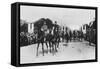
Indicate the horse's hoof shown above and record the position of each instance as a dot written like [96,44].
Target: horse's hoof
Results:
[56,50]
[50,51]
[47,52]
[43,54]
[53,54]
[37,55]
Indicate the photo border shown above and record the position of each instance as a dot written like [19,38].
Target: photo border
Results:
[57,6]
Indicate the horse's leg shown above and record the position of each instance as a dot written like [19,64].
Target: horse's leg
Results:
[58,44]
[43,48]
[50,46]
[47,46]
[55,46]
[53,50]
[90,40]
[37,49]
[80,38]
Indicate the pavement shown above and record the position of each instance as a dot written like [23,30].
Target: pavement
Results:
[71,51]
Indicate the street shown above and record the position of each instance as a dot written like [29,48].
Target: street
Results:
[74,50]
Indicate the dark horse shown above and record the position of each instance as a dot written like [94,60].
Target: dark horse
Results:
[41,40]
[53,41]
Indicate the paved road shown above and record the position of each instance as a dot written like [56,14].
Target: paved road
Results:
[74,50]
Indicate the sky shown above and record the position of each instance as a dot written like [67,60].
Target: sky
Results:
[70,17]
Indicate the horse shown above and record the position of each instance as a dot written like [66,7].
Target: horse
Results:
[45,38]
[66,36]
[70,35]
[53,41]
[80,35]
[40,39]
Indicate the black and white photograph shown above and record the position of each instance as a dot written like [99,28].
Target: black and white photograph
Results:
[52,34]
